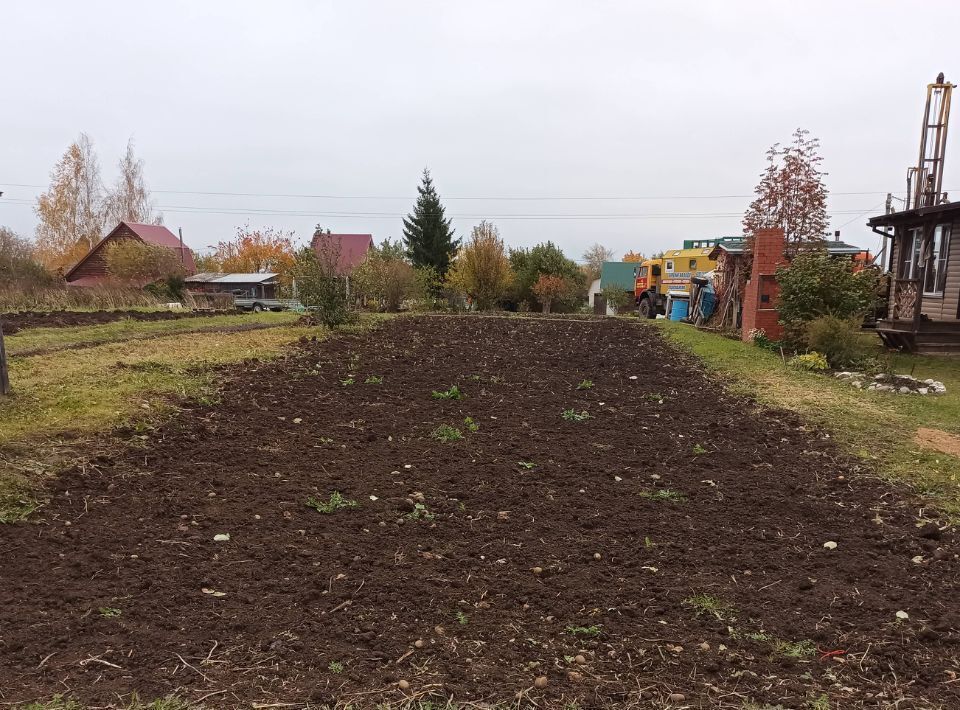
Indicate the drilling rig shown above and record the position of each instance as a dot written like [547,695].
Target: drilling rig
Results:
[925,181]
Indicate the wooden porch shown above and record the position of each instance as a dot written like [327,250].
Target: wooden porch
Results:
[929,337]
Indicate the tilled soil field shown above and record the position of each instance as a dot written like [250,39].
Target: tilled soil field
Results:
[678,548]
[15,322]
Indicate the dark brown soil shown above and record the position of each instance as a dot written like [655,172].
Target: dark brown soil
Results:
[14,322]
[674,541]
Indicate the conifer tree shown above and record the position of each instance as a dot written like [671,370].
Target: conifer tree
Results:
[427,233]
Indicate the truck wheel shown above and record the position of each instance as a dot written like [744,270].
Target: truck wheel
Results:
[646,309]
[257,308]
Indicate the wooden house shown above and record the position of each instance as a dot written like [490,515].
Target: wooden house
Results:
[91,270]
[924,305]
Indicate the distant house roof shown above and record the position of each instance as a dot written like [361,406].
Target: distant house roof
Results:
[618,273]
[155,234]
[834,247]
[214,277]
[350,248]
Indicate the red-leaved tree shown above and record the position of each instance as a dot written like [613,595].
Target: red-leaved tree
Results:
[791,194]
[550,288]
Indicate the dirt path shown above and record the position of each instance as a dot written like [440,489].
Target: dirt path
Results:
[667,551]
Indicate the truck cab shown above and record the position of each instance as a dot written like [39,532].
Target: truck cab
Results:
[672,272]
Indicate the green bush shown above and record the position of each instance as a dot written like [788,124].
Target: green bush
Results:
[837,338]
[812,362]
[817,284]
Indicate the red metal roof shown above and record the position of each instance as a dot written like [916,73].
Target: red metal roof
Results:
[352,248]
[149,233]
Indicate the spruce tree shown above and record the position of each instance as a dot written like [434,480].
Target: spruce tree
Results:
[427,233]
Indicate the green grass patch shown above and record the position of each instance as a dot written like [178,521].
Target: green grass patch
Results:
[447,433]
[336,502]
[664,494]
[586,631]
[47,339]
[877,427]
[452,393]
[572,415]
[705,604]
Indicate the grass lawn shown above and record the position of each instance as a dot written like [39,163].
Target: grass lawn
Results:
[34,339]
[875,426]
[68,395]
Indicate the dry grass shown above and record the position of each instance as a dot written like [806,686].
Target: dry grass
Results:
[35,339]
[30,296]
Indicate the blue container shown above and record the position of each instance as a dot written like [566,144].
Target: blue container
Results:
[680,308]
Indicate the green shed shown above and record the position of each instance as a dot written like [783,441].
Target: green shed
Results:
[618,273]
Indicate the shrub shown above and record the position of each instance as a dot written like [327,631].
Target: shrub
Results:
[837,338]
[758,336]
[320,289]
[812,362]
[618,298]
[815,285]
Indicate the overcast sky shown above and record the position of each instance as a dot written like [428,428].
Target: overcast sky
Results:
[328,111]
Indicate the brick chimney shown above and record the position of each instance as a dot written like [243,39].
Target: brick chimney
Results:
[762,290]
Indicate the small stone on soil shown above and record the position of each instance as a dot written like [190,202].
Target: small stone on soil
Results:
[541,682]
[404,685]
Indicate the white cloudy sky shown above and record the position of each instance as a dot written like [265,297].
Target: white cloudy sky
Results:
[328,111]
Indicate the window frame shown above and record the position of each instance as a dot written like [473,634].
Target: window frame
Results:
[936,262]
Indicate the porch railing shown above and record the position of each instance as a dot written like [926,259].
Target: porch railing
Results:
[905,295]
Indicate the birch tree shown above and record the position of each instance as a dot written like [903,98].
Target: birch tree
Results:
[71,211]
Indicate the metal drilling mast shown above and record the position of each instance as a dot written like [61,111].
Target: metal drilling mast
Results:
[925,181]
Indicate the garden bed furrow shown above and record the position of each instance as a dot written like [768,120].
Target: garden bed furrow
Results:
[668,548]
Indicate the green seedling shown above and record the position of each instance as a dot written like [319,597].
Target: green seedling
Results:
[572,415]
[452,393]
[526,464]
[335,667]
[373,380]
[420,512]
[821,702]
[462,618]
[664,494]
[447,433]
[336,502]
[585,385]
[325,440]
[109,612]
[647,542]
[587,631]
[347,382]
[471,425]
[706,604]
[794,649]
[655,397]
[697,449]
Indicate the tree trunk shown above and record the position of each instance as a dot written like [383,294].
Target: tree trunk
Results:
[546,306]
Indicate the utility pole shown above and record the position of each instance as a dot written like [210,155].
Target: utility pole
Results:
[4,374]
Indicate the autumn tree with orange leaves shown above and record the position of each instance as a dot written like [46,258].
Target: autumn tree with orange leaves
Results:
[255,251]
[550,288]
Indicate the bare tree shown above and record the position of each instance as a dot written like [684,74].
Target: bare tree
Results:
[129,200]
[71,211]
[791,194]
[593,259]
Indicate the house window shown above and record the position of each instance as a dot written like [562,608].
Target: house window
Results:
[670,266]
[936,275]
[693,265]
